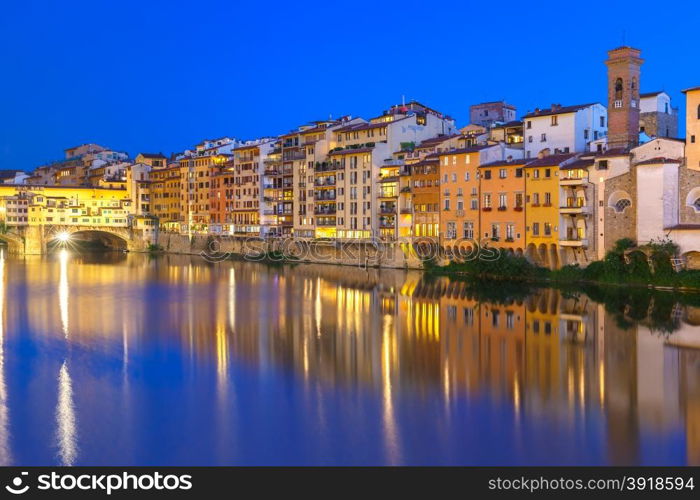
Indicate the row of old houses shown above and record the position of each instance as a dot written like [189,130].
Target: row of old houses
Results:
[560,185]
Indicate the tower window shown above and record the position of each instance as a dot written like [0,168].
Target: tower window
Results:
[618,89]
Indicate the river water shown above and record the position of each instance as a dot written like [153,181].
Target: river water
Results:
[120,359]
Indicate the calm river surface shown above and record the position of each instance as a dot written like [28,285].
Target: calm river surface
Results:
[115,359]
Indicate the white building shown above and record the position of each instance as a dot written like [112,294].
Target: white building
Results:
[564,129]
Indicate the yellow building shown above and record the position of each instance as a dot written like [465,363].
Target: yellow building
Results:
[459,195]
[77,206]
[165,196]
[542,208]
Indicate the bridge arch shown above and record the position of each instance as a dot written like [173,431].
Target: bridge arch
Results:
[14,242]
[113,239]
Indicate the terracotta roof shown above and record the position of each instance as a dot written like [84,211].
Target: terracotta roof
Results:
[249,146]
[471,149]
[426,161]
[154,156]
[519,162]
[560,110]
[650,94]
[367,126]
[614,152]
[436,140]
[550,161]
[691,89]
[350,151]
[514,123]
[578,164]
[684,226]
[315,130]
[657,160]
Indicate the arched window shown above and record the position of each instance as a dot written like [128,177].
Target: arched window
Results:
[692,200]
[619,201]
[618,89]
[620,205]
[634,84]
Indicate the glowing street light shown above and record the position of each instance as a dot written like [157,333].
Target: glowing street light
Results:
[63,237]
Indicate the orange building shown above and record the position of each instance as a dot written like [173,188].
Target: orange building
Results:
[503,194]
[459,194]
[221,197]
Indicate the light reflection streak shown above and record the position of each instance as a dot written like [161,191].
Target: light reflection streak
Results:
[66,432]
[63,290]
[389,418]
[5,452]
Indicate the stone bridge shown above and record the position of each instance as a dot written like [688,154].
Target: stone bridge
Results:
[34,240]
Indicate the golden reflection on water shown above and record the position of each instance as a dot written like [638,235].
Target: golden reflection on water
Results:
[548,354]
[5,452]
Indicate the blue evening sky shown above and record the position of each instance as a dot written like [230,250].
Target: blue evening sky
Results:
[162,75]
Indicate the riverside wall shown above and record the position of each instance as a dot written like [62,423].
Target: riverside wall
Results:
[216,248]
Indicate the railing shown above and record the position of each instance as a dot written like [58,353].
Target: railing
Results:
[322,211]
[321,183]
[328,167]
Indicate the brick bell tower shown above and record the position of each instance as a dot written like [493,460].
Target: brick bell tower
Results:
[624,66]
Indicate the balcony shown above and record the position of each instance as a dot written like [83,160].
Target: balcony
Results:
[572,181]
[392,162]
[575,207]
[328,167]
[324,211]
[576,242]
[502,208]
[406,210]
[406,189]
[324,182]
[294,155]
[387,209]
[324,197]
